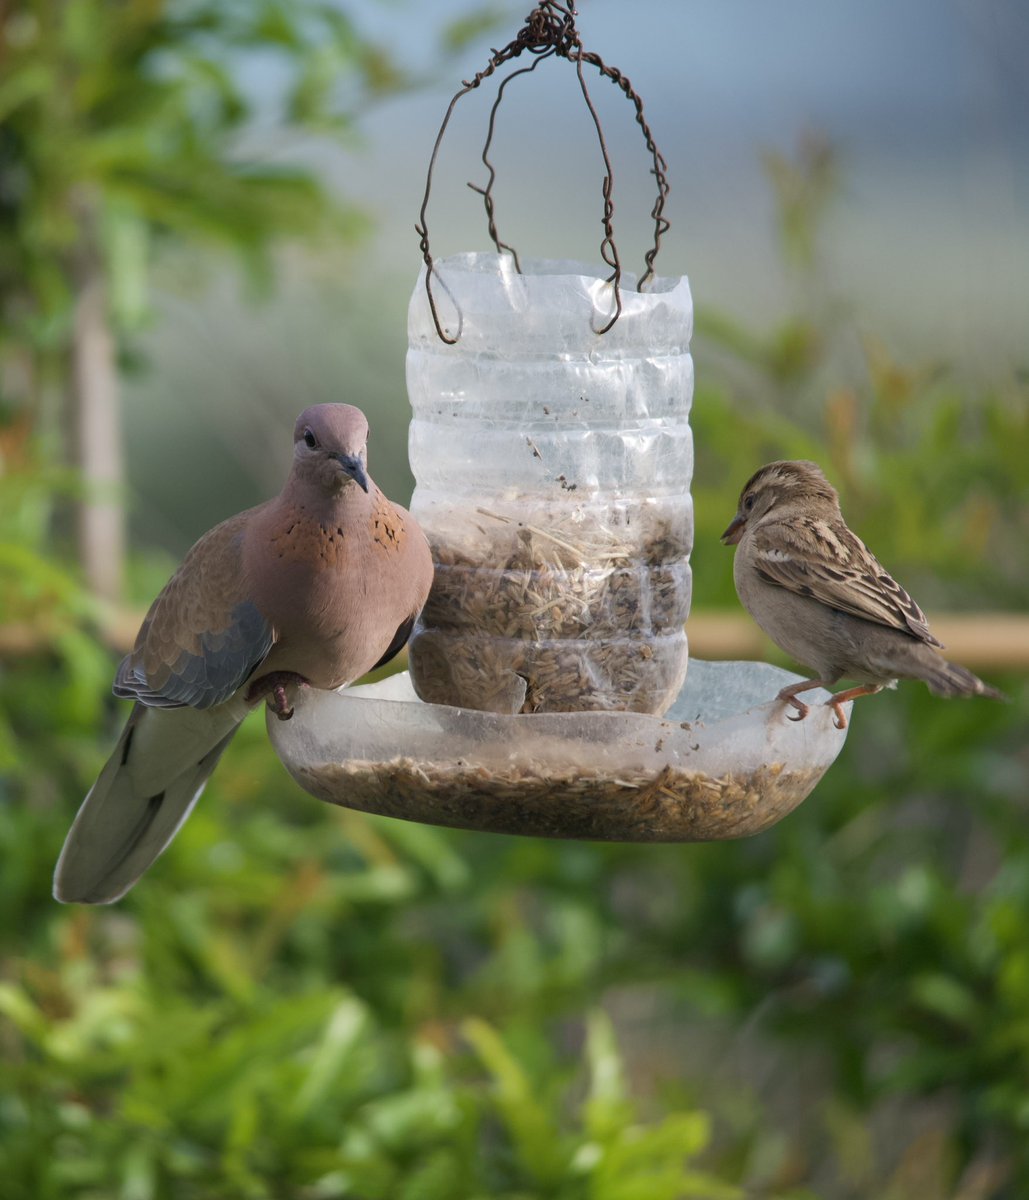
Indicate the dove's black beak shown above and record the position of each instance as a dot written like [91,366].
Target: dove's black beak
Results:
[735,531]
[353,467]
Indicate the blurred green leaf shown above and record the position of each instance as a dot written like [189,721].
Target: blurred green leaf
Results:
[471,26]
[305,1002]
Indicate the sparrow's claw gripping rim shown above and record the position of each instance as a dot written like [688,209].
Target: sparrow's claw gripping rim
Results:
[802,708]
[839,716]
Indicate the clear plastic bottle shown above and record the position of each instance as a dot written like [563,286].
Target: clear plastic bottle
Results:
[553,469]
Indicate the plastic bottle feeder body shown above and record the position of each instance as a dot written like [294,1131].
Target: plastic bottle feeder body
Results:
[553,467]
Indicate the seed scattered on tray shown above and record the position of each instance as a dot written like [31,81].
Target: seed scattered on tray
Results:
[666,805]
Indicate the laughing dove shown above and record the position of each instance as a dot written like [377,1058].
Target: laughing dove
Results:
[315,587]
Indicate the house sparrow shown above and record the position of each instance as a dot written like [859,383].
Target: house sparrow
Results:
[822,596]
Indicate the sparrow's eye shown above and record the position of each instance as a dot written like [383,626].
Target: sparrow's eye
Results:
[309,439]
[748,502]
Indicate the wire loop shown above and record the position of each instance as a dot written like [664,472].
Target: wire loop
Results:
[549,31]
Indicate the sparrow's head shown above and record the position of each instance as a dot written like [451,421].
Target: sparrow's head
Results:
[330,446]
[779,486]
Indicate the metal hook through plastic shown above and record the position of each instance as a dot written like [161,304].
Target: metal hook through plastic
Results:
[549,30]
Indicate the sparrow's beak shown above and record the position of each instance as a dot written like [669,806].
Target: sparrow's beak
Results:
[735,531]
[353,467]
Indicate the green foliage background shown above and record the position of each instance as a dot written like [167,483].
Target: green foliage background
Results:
[303,1002]
[300,1001]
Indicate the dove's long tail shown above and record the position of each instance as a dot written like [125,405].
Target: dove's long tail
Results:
[143,795]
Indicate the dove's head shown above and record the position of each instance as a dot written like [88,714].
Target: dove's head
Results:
[330,446]
[781,486]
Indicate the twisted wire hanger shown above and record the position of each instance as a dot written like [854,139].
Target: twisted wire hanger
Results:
[549,31]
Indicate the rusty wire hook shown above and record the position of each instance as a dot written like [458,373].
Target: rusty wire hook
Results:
[549,31]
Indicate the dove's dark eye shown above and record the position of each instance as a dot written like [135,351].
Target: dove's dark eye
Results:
[309,439]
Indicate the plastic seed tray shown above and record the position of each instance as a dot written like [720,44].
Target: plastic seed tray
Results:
[725,761]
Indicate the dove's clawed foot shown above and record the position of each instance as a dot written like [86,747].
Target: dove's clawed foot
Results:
[273,686]
[280,704]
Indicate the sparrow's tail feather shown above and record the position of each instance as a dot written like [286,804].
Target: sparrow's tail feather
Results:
[948,679]
[145,792]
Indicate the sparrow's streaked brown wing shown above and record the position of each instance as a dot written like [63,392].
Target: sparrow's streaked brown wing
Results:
[824,560]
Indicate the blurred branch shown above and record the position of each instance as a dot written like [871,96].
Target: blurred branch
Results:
[96,407]
[982,641]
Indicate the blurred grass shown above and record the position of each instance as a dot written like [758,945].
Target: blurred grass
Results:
[306,1002]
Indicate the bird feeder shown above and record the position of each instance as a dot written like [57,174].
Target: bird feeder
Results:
[550,691]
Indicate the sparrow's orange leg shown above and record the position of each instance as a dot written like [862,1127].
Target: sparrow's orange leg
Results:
[789,695]
[840,718]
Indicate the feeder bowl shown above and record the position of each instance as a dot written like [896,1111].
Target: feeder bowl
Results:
[725,761]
